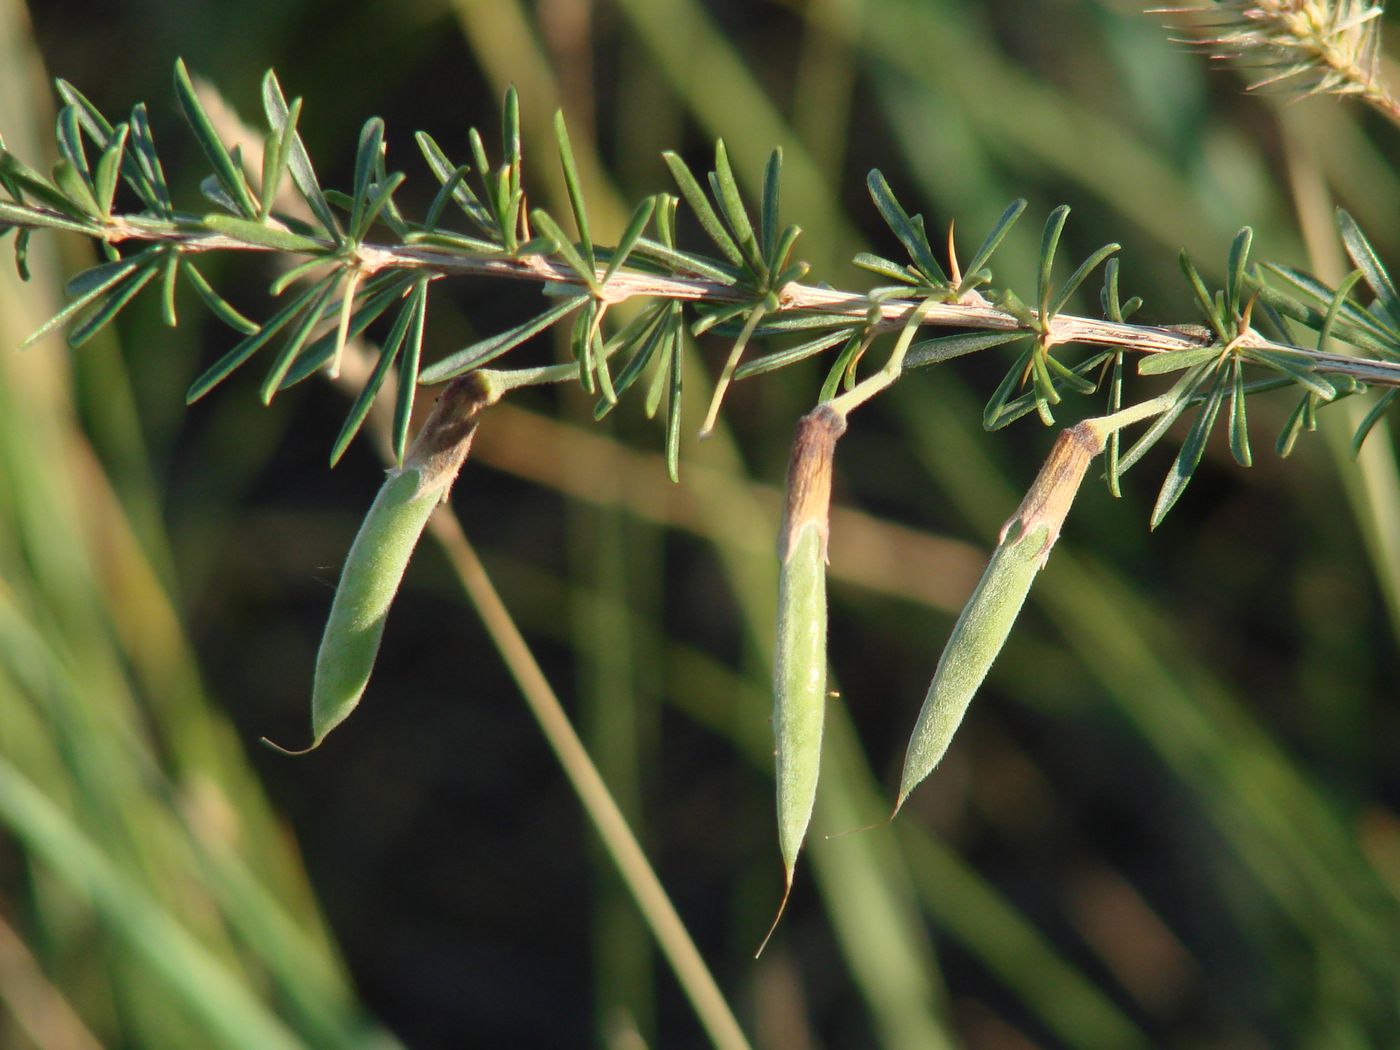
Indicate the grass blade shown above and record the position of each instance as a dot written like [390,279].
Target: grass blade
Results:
[1298,371]
[17,173]
[170,953]
[108,172]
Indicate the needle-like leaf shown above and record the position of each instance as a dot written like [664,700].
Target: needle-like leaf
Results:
[479,353]
[229,174]
[1189,458]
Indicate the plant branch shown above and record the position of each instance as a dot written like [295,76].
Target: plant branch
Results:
[627,282]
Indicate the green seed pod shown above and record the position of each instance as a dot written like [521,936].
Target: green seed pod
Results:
[799,674]
[977,638]
[368,583]
[378,557]
[799,683]
[986,620]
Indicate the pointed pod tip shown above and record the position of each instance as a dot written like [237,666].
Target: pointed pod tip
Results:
[782,907]
[293,752]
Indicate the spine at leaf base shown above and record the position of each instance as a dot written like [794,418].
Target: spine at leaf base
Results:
[378,557]
[986,620]
[799,673]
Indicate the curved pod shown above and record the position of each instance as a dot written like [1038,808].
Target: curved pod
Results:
[373,571]
[379,556]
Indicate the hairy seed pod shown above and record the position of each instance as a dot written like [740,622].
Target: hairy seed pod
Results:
[378,557]
[986,620]
[799,675]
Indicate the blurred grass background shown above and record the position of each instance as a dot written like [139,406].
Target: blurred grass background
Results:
[1169,819]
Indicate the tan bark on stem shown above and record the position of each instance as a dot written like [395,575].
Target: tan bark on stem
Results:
[444,440]
[1052,494]
[809,476]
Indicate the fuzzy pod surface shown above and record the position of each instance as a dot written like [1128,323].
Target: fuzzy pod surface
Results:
[977,638]
[375,566]
[373,570]
[987,618]
[799,672]
[799,687]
